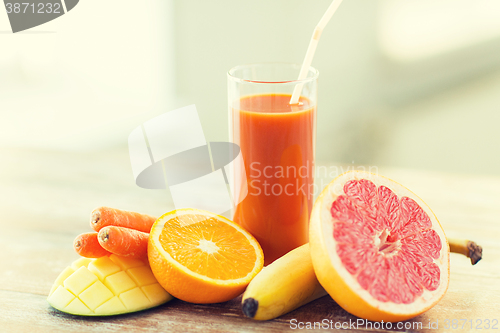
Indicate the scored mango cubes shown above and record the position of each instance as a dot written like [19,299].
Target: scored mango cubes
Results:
[106,286]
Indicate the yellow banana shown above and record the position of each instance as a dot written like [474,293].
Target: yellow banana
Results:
[286,284]
[290,282]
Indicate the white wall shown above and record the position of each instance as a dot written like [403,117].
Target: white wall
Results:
[84,80]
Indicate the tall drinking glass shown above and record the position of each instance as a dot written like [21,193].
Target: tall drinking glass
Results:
[277,142]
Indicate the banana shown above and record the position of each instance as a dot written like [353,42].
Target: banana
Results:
[466,247]
[286,284]
[290,282]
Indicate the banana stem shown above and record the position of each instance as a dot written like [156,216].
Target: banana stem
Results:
[466,247]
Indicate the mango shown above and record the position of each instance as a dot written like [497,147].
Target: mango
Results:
[106,286]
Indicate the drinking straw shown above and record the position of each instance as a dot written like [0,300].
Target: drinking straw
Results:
[312,48]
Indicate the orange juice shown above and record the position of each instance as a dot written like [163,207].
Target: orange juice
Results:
[277,145]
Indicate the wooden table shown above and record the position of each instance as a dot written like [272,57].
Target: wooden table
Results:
[46,199]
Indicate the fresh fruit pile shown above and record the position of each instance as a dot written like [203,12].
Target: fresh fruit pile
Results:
[197,256]
[375,247]
[114,276]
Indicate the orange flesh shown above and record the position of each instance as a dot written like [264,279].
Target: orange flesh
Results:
[208,247]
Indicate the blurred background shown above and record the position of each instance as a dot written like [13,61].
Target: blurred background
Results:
[403,83]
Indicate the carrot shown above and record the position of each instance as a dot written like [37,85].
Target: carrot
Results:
[88,246]
[104,216]
[124,242]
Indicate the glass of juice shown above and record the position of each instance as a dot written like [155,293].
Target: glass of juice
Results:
[277,142]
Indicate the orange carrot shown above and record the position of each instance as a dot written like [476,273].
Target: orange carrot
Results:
[104,216]
[88,246]
[124,242]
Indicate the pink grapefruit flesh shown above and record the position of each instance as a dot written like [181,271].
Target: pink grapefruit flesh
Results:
[382,244]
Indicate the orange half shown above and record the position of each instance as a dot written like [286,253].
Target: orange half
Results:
[201,257]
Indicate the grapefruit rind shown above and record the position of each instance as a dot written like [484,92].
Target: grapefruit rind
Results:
[342,285]
[186,284]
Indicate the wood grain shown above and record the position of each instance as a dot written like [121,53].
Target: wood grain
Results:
[46,199]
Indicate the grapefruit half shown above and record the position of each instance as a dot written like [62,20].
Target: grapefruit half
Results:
[377,248]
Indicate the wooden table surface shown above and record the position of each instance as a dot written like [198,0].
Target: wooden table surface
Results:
[46,198]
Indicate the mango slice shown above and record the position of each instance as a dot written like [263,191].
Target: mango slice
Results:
[106,286]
